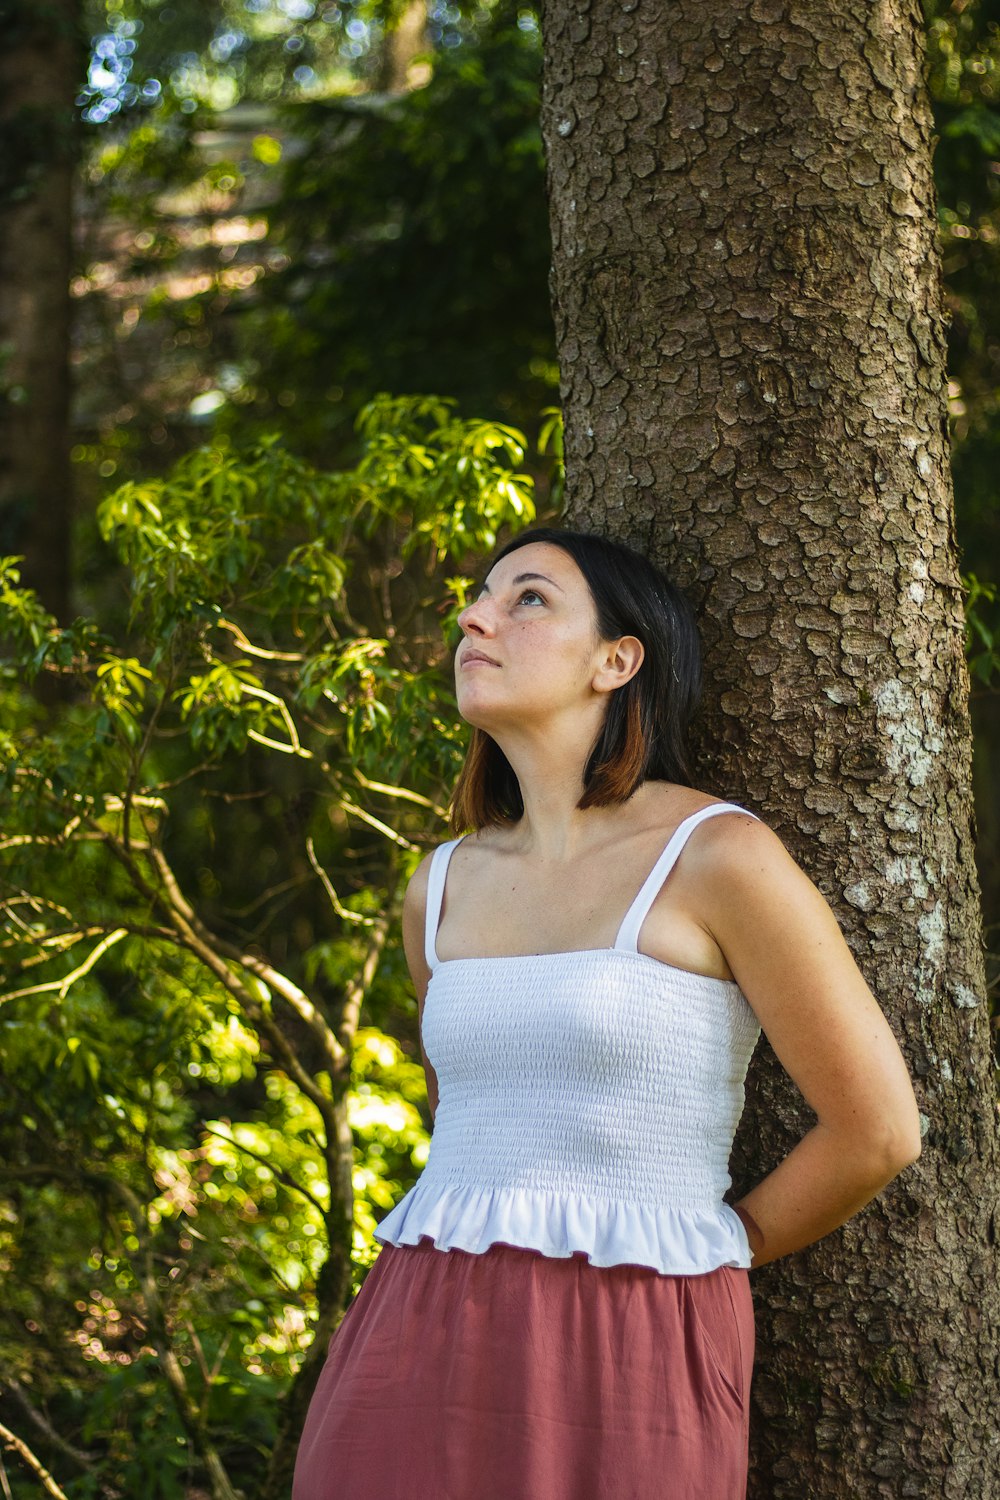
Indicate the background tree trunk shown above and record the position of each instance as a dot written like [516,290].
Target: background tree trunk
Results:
[41,69]
[749,318]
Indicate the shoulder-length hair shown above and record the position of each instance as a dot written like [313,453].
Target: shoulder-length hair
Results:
[645,732]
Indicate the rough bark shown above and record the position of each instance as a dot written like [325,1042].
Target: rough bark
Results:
[748,309]
[40,72]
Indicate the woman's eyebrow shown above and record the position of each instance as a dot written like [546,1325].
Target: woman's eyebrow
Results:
[528,578]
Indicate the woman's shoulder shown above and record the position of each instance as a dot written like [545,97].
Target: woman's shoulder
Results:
[738,839]
[667,806]
[417,884]
[416,887]
[738,846]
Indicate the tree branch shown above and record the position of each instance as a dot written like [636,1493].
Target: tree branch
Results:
[343,912]
[279,1172]
[41,1473]
[399,791]
[210,943]
[252,650]
[380,827]
[83,1460]
[65,984]
[213,953]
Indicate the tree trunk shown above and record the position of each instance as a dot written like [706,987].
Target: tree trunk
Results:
[40,74]
[748,310]
[401,46]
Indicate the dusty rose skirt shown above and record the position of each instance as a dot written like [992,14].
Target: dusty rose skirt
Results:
[515,1376]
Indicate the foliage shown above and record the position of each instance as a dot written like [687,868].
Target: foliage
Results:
[213,54]
[982,630]
[280,261]
[964,78]
[212,1087]
[420,218]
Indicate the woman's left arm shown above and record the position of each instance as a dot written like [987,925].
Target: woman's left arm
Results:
[791,961]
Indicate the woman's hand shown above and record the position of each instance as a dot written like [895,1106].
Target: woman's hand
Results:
[791,961]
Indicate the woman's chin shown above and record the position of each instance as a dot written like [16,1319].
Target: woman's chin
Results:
[474,716]
[480,715]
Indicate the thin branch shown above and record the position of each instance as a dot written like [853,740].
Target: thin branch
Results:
[168,786]
[357,989]
[259,967]
[209,1375]
[345,914]
[230,797]
[60,942]
[131,790]
[63,985]
[134,929]
[83,1460]
[399,791]
[34,1463]
[49,840]
[279,1172]
[325,731]
[295,748]
[114,803]
[252,650]
[217,956]
[213,952]
[35,903]
[366,817]
[238,912]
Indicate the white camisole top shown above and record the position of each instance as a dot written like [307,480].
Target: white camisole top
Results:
[587,1100]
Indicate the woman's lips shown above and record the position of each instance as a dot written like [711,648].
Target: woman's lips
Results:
[477,659]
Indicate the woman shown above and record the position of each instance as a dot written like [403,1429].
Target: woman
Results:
[561,1310]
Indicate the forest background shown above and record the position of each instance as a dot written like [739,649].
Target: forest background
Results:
[313,379]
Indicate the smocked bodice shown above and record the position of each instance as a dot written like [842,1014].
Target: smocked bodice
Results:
[587,1100]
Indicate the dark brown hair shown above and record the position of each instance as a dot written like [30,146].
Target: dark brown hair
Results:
[646,726]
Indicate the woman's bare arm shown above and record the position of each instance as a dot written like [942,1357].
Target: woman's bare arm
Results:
[414,910]
[791,961]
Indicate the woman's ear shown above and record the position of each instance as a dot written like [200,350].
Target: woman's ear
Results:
[619,664]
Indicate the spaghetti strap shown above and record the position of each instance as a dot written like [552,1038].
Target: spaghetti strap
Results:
[628,932]
[435,896]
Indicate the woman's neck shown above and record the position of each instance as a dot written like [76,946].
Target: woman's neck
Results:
[553,828]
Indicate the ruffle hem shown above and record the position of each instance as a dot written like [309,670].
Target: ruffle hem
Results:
[677,1241]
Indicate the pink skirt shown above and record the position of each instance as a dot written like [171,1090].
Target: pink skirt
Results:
[516,1376]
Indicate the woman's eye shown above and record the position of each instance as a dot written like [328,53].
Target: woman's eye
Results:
[531,594]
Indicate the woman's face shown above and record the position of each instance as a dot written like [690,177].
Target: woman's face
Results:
[531,647]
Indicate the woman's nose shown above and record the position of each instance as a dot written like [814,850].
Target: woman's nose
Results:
[475,618]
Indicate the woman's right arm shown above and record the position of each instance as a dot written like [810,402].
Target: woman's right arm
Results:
[414,913]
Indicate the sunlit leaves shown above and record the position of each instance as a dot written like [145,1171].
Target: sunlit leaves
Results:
[244,778]
[982,630]
[458,478]
[23,616]
[388,1127]
[227,705]
[121,687]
